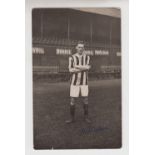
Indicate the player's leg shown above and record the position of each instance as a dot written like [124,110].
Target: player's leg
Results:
[72,110]
[85,106]
[84,94]
[74,93]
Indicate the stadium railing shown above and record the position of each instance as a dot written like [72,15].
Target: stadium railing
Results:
[55,74]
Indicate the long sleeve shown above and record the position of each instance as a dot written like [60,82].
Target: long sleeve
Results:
[70,66]
[88,60]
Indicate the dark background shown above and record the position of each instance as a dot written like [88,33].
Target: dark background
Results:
[63,28]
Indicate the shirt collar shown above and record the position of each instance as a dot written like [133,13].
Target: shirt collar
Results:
[79,54]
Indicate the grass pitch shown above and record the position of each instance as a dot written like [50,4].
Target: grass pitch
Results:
[51,109]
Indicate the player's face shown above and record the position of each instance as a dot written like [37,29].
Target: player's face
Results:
[80,48]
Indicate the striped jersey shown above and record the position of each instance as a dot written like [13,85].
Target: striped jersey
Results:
[79,78]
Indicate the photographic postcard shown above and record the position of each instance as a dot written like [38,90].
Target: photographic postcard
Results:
[76,78]
[64,41]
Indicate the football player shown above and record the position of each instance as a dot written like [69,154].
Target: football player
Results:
[79,65]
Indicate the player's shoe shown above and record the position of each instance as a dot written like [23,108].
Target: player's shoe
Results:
[70,121]
[87,120]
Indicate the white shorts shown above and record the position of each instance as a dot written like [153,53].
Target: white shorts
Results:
[75,91]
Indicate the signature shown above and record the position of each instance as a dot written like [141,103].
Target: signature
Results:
[91,130]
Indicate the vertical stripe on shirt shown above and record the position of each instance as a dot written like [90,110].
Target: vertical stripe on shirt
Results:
[71,63]
[77,60]
[81,82]
[82,60]
[84,78]
[74,60]
[88,60]
[78,78]
[74,82]
[84,57]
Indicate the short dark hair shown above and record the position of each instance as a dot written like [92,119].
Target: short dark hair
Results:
[80,42]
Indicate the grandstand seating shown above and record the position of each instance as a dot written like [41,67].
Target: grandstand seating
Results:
[67,42]
[51,31]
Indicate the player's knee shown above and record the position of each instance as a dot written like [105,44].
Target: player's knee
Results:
[85,100]
[72,102]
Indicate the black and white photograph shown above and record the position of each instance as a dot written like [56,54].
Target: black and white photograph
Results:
[77,72]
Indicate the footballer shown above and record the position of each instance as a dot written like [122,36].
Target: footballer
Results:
[79,65]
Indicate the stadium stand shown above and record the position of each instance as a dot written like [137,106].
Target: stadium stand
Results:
[56,32]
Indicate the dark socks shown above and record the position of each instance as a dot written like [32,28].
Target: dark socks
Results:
[86,109]
[72,111]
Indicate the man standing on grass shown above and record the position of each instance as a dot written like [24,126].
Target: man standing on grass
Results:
[78,67]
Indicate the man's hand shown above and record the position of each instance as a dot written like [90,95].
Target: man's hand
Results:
[74,70]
